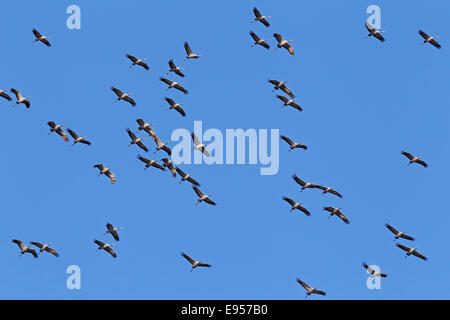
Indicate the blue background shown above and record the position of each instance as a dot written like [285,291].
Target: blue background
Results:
[364,101]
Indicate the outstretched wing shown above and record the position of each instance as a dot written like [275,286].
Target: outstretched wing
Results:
[37,244]
[73,133]
[287,91]
[198,192]
[278,37]
[187,48]
[36,33]
[132,58]
[257,13]
[424,35]
[195,139]
[131,134]
[392,229]
[181,172]
[99,167]
[423,163]
[283,98]
[304,284]
[304,210]
[254,36]
[274,82]
[52,251]
[419,255]
[167,81]
[182,89]
[117,91]
[404,248]
[298,180]
[192,261]
[289,200]
[4,95]
[408,155]
[289,141]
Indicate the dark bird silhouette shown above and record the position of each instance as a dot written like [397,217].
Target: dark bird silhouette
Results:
[310,290]
[375,33]
[41,38]
[413,159]
[429,39]
[259,17]
[135,140]
[195,263]
[293,144]
[24,249]
[45,247]
[284,43]
[305,185]
[202,197]
[57,128]
[411,251]
[372,272]
[151,163]
[175,106]
[123,96]
[259,41]
[106,247]
[398,234]
[282,86]
[295,205]
[139,62]
[190,53]
[173,84]
[77,138]
[107,172]
[175,69]
[113,231]
[337,212]
[20,98]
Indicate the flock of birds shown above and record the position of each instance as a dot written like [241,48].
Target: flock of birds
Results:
[166,163]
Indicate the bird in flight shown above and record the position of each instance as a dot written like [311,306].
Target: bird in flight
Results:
[41,38]
[413,159]
[282,86]
[106,247]
[113,231]
[77,138]
[259,17]
[295,205]
[374,32]
[45,247]
[20,98]
[202,197]
[284,43]
[310,290]
[107,172]
[259,41]
[175,69]
[139,62]
[195,263]
[429,39]
[399,234]
[337,212]
[372,272]
[293,144]
[411,251]
[58,129]
[190,53]
[24,249]
[123,96]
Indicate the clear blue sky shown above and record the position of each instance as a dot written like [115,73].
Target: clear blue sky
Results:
[364,101]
